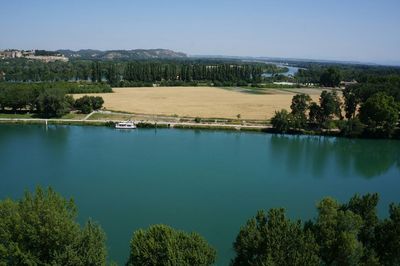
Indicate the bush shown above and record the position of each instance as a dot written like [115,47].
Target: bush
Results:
[163,245]
[87,104]
[272,239]
[380,113]
[281,121]
[351,128]
[41,229]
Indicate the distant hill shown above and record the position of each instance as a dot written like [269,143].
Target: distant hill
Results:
[123,54]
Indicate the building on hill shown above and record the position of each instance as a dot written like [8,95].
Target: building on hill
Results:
[31,54]
[10,54]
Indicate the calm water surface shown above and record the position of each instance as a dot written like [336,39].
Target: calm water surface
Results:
[205,181]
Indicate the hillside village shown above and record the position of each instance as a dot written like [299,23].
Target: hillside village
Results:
[33,54]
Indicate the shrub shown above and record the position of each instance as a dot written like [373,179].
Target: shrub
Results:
[163,245]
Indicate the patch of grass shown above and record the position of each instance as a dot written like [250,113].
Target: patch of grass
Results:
[73,116]
[103,116]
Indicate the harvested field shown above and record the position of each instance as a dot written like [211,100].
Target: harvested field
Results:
[204,102]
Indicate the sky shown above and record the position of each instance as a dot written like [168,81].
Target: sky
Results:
[348,30]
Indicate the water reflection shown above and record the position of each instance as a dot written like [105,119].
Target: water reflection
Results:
[367,158]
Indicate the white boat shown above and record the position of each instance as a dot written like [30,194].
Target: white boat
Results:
[125,125]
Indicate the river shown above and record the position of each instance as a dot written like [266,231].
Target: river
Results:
[291,70]
[210,182]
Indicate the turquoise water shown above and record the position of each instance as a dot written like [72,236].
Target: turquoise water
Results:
[291,71]
[205,181]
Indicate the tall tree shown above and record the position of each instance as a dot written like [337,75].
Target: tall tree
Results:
[337,232]
[272,239]
[315,113]
[388,237]
[40,229]
[112,75]
[299,106]
[281,121]
[366,207]
[52,103]
[351,102]
[163,245]
[330,105]
[330,77]
[380,113]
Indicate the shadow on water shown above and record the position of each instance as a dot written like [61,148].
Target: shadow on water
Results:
[367,158]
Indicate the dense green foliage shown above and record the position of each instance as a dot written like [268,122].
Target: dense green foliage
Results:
[282,121]
[273,239]
[46,99]
[51,103]
[330,77]
[320,114]
[139,73]
[313,72]
[41,229]
[341,234]
[387,234]
[163,245]
[66,87]
[330,106]
[374,116]
[299,106]
[87,104]
[380,113]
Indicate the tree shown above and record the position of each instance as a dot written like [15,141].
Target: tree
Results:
[40,229]
[281,121]
[84,104]
[112,75]
[70,101]
[52,103]
[91,245]
[380,113]
[315,113]
[352,127]
[388,237]
[87,104]
[97,102]
[163,245]
[330,105]
[96,72]
[273,239]
[366,207]
[336,232]
[351,101]
[299,106]
[2,99]
[330,77]
[16,98]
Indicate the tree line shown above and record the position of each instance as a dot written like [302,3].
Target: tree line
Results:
[41,229]
[48,100]
[126,73]
[328,74]
[370,109]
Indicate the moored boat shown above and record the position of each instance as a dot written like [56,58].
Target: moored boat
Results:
[125,125]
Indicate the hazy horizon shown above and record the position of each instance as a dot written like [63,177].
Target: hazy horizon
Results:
[358,31]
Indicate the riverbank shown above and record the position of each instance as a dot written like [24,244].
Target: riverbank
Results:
[139,123]
[109,119]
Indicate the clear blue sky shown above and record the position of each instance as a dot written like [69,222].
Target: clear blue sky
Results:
[362,30]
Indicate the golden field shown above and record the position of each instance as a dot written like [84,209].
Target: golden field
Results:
[204,102]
